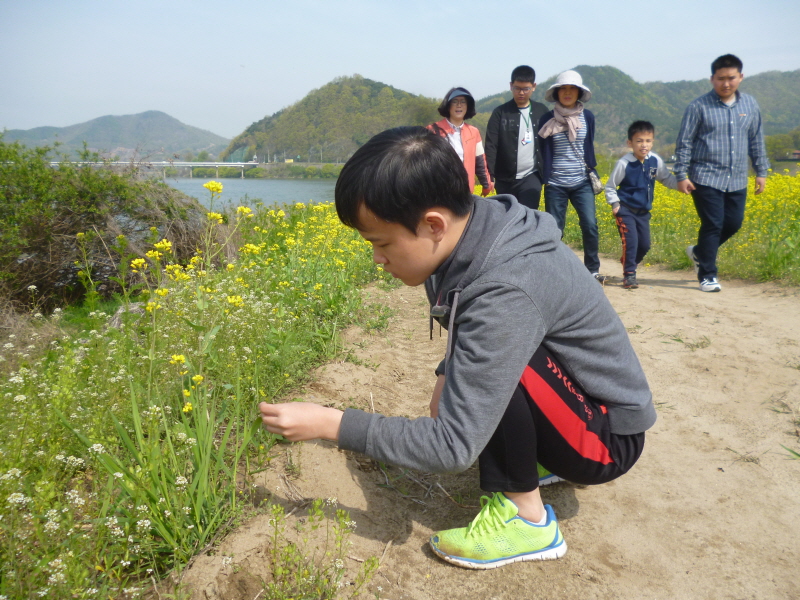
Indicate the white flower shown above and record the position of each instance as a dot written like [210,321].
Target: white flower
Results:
[19,398]
[97,449]
[32,288]
[19,499]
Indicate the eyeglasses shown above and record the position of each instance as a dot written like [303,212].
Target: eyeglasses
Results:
[520,90]
[459,102]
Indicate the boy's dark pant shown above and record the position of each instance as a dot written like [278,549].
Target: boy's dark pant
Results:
[527,191]
[634,231]
[721,215]
[551,421]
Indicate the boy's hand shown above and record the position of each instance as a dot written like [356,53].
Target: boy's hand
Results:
[437,393]
[297,421]
[685,186]
[761,184]
[615,208]
[485,191]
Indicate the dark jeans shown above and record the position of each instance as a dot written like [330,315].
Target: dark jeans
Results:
[550,420]
[527,190]
[634,231]
[556,199]
[721,215]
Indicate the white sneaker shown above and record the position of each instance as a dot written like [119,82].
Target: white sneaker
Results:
[710,285]
[693,258]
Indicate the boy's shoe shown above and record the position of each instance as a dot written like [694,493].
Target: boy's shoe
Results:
[498,536]
[710,285]
[546,477]
[600,278]
[629,281]
[693,258]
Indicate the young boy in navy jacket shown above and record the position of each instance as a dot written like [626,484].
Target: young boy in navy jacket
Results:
[630,190]
[539,369]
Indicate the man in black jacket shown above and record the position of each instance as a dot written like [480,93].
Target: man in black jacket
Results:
[512,146]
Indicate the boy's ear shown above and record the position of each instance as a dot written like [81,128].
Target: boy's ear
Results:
[630,144]
[435,224]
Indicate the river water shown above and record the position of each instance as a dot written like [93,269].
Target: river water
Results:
[247,191]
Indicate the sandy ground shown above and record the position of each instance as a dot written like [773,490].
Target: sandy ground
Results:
[711,510]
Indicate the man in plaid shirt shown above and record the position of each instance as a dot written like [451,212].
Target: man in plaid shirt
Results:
[719,131]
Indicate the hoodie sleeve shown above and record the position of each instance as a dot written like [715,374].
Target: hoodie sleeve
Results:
[664,175]
[484,370]
[616,177]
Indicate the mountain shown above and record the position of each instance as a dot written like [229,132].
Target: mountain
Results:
[330,123]
[618,100]
[152,135]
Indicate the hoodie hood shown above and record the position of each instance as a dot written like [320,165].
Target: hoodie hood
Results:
[499,229]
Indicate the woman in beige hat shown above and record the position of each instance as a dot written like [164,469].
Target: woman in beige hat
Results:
[567,134]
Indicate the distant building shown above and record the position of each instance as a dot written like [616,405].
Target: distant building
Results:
[795,154]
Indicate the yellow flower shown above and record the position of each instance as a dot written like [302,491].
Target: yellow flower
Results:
[198,378]
[164,245]
[151,306]
[153,254]
[237,301]
[187,408]
[244,210]
[80,236]
[187,393]
[212,216]
[230,267]
[177,359]
[162,292]
[215,187]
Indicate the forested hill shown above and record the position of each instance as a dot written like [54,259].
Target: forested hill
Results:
[330,123]
[152,135]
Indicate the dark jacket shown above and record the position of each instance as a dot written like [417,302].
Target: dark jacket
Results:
[510,285]
[502,139]
[546,145]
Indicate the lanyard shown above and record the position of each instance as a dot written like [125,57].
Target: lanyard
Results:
[528,120]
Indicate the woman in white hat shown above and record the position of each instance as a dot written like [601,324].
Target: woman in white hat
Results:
[457,106]
[568,156]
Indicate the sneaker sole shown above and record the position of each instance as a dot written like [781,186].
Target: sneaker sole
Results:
[550,480]
[546,554]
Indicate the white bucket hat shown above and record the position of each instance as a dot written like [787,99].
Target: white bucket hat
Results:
[568,78]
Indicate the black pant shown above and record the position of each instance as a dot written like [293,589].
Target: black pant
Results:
[528,190]
[634,231]
[551,421]
[721,215]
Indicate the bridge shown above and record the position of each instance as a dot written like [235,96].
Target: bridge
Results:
[166,164]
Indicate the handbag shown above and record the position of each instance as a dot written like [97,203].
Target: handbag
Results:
[594,179]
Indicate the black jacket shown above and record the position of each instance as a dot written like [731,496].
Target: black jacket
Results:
[502,139]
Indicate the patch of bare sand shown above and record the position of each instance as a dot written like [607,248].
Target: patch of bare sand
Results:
[710,511]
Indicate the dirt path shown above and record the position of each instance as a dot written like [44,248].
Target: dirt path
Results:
[712,509]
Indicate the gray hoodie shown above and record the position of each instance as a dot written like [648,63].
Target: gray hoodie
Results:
[509,285]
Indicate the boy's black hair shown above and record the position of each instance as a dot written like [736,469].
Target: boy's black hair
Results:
[640,127]
[444,107]
[726,61]
[523,73]
[398,175]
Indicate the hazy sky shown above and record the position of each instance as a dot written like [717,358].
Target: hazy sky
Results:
[221,65]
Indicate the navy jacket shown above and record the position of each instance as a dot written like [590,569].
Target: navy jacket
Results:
[546,145]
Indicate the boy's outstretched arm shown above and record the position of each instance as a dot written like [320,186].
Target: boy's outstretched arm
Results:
[298,421]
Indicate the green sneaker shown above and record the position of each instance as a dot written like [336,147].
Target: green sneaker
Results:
[498,536]
[546,477]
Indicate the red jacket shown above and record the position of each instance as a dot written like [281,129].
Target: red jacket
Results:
[474,157]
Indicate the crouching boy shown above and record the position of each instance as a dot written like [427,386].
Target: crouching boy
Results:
[629,191]
[539,369]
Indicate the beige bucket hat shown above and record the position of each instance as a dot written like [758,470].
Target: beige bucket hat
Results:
[568,78]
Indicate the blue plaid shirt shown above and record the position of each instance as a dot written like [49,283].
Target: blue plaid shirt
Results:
[715,140]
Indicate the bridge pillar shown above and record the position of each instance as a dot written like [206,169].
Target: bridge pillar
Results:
[242,171]
[216,172]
